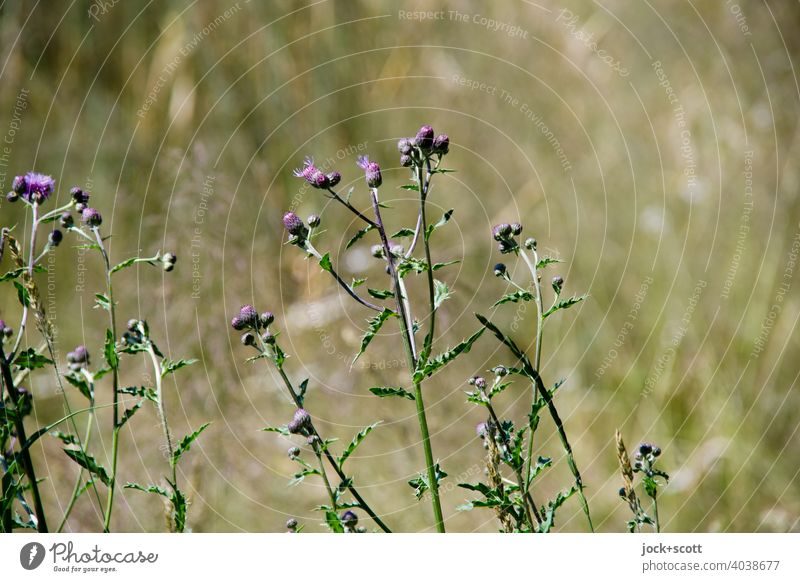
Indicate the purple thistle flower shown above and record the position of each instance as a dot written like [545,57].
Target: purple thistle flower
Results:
[372,172]
[79,355]
[34,187]
[312,175]
[248,315]
[237,323]
[293,224]
[404,146]
[501,231]
[349,519]
[406,161]
[300,423]
[441,145]
[92,217]
[424,138]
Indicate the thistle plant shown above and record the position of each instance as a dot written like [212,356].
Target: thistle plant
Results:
[644,463]
[511,440]
[19,475]
[264,340]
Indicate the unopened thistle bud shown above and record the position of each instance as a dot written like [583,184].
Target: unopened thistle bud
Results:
[500,371]
[248,316]
[55,238]
[291,524]
[424,138]
[314,221]
[441,145]
[168,261]
[516,229]
[268,338]
[248,339]
[372,172]
[294,226]
[300,423]
[266,318]
[79,196]
[500,270]
[66,220]
[333,179]
[406,161]
[293,452]
[530,244]
[349,519]
[12,196]
[501,231]
[405,147]
[91,217]
[558,283]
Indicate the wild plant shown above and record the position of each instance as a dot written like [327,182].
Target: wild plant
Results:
[19,475]
[423,156]
[644,464]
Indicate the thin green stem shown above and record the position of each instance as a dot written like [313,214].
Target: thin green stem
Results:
[162,413]
[328,456]
[324,476]
[76,490]
[655,512]
[412,363]
[313,251]
[112,314]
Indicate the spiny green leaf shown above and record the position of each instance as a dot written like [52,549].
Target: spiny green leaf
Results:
[564,304]
[375,324]
[550,512]
[66,438]
[80,382]
[437,266]
[186,444]
[22,294]
[412,187]
[441,222]
[30,360]
[123,265]
[110,352]
[102,301]
[385,391]
[12,274]
[325,263]
[380,293]
[301,395]
[140,391]
[441,293]
[404,232]
[279,429]
[515,297]
[333,522]
[357,440]
[170,366]
[129,412]
[543,262]
[358,236]
[445,358]
[149,489]
[357,282]
[89,463]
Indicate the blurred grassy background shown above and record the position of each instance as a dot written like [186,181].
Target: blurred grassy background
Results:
[185,119]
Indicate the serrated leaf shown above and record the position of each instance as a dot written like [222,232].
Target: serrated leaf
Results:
[110,352]
[437,266]
[550,512]
[12,274]
[357,282]
[441,222]
[140,391]
[358,236]
[301,395]
[279,429]
[325,262]
[301,475]
[404,232]
[129,412]
[412,187]
[89,463]
[441,293]
[123,265]
[445,358]
[541,464]
[80,382]
[380,293]
[334,522]
[30,360]
[22,294]
[149,489]
[543,262]
[186,444]
[102,301]
[564,304]
[386,391]
[170,366]
[357,440]
[375,324]
[66,438]
[420,482]
[515,297]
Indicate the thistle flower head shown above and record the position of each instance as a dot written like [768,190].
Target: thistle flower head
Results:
[6,330]
[293,452]
[168,261]
[34,187]
[92,217]
[291,524]
[66,220]
[312,175]
[501,231]
[293,224]
[499,270]
[558,283]
[333,179]
[248,339]
[372,172]
[406,161]
[266,318]
[79,196]
[404,146]
[349,519]
[441,145]
[248,315]
[516,229]
[300,423]
[55,238]
[79,356]
[424,138]
[314,220]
